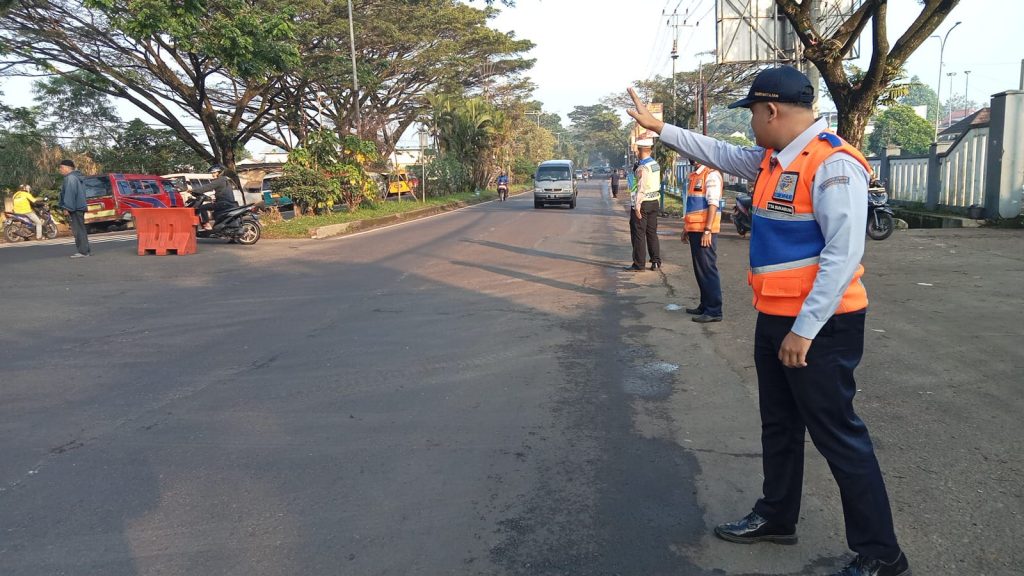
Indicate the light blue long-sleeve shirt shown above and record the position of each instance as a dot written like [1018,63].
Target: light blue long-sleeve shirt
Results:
[840,196]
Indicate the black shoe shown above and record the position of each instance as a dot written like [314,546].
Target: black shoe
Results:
[753,528]
[655,265]
[634,268]
[695,311]
[864,566]
[704,318]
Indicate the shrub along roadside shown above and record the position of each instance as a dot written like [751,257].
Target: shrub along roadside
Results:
[303,227]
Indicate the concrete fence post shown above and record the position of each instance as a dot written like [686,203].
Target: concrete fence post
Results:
[1004,170]
[931,199]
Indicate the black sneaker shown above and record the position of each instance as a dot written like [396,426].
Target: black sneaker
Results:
[753,528]
[698,311]
[864,566]
[634,268]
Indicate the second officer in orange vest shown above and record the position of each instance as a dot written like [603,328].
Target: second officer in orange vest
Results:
[701,225]
[807,239]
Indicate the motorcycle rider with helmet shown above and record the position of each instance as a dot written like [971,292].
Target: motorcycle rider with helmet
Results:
[224,195]
[502,186]
[23,201]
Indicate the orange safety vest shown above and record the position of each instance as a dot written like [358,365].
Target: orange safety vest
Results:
[696,216]
[785,240]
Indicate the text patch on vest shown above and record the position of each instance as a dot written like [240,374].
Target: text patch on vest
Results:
[784,208]
[785,190]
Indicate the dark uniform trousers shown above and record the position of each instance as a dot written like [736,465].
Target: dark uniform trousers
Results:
[819,398]
[643,233]
[705,268]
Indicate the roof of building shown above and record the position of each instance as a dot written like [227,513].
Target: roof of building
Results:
[977,119]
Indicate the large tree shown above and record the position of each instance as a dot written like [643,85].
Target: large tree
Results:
[900,126]
[84,116]
[597,132]
[404,51]
[920,94]
[215,63]
[856,96]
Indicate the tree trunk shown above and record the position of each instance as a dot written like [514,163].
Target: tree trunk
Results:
[854,111]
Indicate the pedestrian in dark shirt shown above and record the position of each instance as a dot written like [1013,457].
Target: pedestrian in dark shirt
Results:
[72,201]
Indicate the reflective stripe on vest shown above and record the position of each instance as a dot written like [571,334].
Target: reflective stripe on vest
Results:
[651,181]
[696,216]
[785,239]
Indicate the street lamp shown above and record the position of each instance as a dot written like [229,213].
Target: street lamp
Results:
[949,101]
[942,48]
[967,78]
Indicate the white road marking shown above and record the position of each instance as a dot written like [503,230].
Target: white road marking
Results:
[67,241]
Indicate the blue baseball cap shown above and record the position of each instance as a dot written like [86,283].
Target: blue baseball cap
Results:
[781,84]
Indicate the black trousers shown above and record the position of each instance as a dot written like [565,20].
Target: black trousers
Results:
[77,220]
[819,399]
[643,233]
[705,269]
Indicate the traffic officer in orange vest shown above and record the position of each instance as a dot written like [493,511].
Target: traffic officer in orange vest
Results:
[701,225]
[807,239]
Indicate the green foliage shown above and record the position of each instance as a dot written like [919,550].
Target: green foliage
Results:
[920,94]
[328,170]
[597,131]
[468,130]
[141,149]
[449,175]
[901,126]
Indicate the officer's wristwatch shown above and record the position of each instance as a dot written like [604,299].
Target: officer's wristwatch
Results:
[707,231]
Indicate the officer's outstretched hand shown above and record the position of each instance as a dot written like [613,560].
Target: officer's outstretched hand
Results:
[793,352]
[642,115]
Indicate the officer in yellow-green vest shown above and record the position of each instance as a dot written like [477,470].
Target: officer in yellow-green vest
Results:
[807,239]
[701,225]
[644,193]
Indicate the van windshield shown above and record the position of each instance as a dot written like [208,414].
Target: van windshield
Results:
[96,186]
[553,173]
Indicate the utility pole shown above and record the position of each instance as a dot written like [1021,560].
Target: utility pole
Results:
[673,22]
[355,74]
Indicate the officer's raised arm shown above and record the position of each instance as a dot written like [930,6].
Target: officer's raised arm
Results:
[738,160]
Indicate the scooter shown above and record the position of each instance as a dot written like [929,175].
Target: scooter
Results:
[241,224]
[502,192]
[18,227]
[741,214]
[881,219]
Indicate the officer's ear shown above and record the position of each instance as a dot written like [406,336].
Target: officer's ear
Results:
[773,111]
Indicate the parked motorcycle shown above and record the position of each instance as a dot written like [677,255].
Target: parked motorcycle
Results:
[741,214]
[18,227]
[881,219]
[241,224]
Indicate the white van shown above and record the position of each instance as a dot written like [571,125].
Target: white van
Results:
[554,183]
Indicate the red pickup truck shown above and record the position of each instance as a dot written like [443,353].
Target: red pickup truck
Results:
[111,197]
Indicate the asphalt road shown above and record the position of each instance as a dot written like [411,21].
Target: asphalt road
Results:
[481,392]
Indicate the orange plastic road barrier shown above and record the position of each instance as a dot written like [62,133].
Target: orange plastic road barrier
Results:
[163,231]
